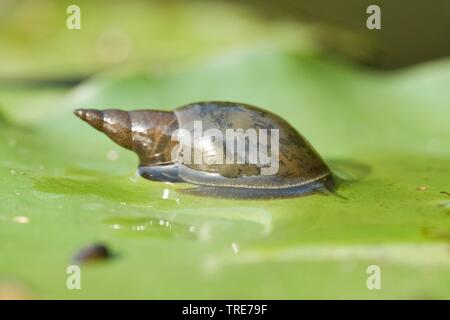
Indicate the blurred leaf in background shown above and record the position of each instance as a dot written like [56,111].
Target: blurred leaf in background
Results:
[156,34]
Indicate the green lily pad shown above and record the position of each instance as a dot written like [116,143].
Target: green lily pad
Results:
[64,186]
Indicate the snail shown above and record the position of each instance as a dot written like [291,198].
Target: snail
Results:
[227,149]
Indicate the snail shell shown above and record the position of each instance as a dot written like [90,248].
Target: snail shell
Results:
[150,134]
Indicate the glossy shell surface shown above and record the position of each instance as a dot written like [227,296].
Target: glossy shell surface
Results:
[298,164]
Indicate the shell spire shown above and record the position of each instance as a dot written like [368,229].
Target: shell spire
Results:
[114,123]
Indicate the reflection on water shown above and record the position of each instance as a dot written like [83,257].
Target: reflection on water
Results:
[21,219]
[420,254]
[156,210]
[207,225]
[150,227]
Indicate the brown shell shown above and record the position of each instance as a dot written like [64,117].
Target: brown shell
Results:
[299,163]
[149,134]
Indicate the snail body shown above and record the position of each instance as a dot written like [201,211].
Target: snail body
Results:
[227,149]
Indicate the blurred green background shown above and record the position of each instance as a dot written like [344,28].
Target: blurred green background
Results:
[374,103]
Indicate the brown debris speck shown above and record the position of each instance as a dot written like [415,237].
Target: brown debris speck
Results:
[94,252]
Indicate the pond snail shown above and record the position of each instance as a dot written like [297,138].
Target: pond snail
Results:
[230,150]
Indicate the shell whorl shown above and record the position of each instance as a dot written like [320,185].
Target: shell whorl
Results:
[116,124]
[146,132]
